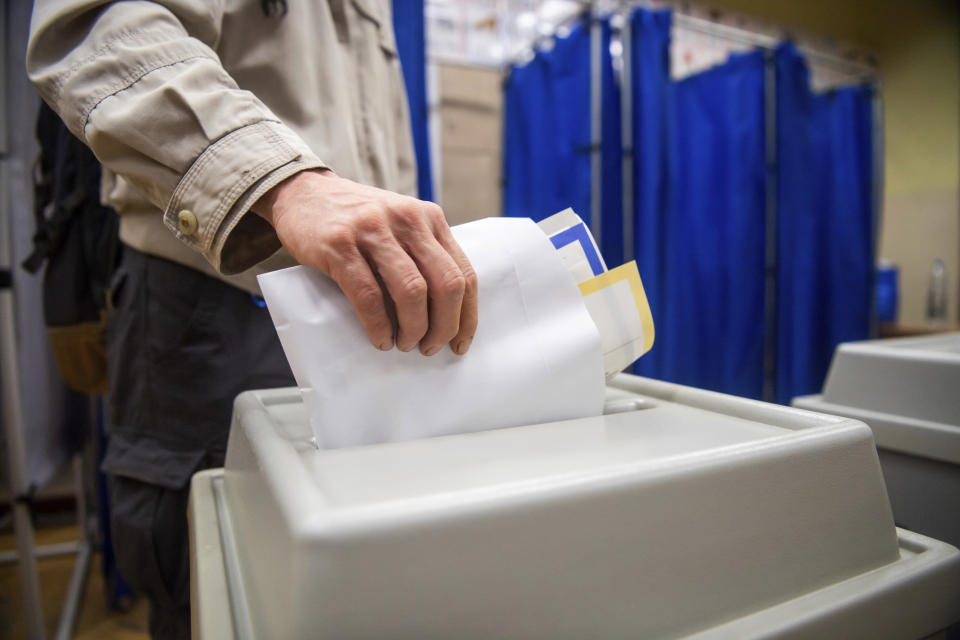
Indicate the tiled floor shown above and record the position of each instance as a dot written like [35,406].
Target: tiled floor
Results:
[96,619]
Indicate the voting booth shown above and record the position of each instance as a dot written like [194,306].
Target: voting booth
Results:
[908,391]
[678,512]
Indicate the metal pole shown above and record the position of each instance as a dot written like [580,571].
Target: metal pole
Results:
[43,551]
[736,34]
[770,260]
[876,210]
[596,125]
[626,130]
[81,568]
[74,596]
[10,378]
[16,448]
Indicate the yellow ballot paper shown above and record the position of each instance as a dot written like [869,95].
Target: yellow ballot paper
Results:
[618,305]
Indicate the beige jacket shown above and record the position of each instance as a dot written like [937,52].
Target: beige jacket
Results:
[196,108]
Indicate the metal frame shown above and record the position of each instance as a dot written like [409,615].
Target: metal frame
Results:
[16,448]
[27,551]
[626,128]
[596,125]
[770,237]
[10,387]
[878,187]
[764,41]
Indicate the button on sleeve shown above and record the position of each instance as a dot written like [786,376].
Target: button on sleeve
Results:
[187,222]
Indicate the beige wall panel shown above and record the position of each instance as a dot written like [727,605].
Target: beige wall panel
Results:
[471,186]
[468,129]
[481,88]
[470,142]
[918,228]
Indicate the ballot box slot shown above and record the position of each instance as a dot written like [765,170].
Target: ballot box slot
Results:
[627,406]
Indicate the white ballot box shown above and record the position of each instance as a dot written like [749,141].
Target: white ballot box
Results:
[908,391]
[679,512]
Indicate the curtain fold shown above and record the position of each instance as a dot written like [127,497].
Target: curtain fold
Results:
[700,197]
[408,25]
[824,223]
[714,245]
[651,99]
[547,131]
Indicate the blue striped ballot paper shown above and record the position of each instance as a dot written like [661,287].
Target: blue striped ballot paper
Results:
[573,241]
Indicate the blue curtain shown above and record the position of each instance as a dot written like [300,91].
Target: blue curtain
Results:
[547,131]
[408,25]
[699,184]
[700,189]
[714,244]
[547,137]
[824,218]
[650,65]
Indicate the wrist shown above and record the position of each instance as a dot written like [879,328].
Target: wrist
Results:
[270,203]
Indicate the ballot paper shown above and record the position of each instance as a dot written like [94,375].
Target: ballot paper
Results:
[575,244]
[618,305]
[615,298]
[536,356]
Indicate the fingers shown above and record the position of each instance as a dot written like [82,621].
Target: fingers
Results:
[358,283]
[446,286]
[407,288]
[427,275]
[467,328]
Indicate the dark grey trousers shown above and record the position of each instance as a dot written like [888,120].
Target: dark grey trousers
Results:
[181,347]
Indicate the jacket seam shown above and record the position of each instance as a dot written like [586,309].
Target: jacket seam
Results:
[116,89]
[59,82]
[145,36]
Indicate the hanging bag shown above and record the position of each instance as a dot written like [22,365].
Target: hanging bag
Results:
[77,238]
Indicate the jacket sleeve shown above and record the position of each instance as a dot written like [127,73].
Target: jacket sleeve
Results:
[140,84]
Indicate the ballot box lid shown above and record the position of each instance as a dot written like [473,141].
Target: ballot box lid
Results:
[906,389]
[677,511]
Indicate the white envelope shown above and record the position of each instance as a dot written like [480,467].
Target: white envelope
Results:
[536,356]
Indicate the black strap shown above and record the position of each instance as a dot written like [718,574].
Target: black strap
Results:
[6,279]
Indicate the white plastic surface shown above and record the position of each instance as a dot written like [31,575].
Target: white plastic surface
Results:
[683,511]
[904,599]
[907,386]
[908,392]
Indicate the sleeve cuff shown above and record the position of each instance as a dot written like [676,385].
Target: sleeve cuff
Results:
[221,186]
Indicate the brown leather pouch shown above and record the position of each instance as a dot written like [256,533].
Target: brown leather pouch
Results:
[80,351]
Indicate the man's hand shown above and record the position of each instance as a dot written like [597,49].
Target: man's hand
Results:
[392,255]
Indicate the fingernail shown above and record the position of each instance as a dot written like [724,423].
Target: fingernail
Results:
[462,346]
[386,346]
[431,351]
